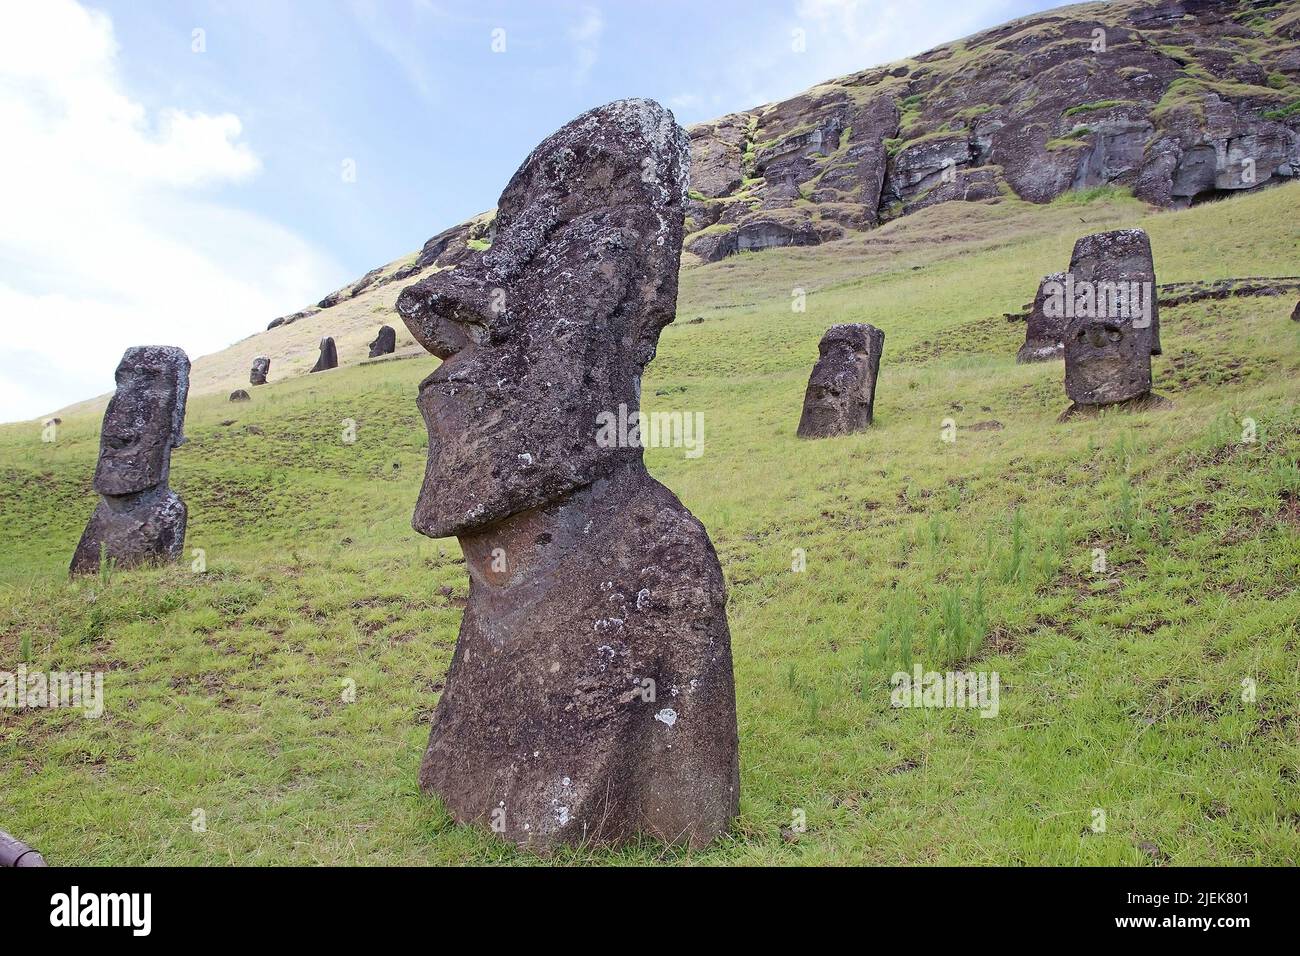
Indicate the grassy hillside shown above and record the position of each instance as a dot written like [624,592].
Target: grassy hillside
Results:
[1120,691]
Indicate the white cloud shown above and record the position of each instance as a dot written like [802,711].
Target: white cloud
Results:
[585,36]
[106,237]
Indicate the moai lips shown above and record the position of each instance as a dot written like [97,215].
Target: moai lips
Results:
[139,520]
[385,342]
[1044,333]
[261,368]
[590,696]
[841,393]
[329,356]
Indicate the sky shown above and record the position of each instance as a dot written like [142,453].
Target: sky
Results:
[182,172]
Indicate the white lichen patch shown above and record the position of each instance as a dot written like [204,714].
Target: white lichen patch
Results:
[667,716]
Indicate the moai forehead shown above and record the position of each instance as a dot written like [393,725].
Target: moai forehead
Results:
[553,324]
[144,420]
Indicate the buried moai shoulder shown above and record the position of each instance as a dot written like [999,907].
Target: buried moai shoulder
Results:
[139,519]
[590,697]
[1113,323]
[841,394]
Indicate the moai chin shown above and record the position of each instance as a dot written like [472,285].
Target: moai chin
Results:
[329,356]
[261,368]
[1044,332]
[385,342]
[1112,322]
[841,394]
[139,519]
[590,696]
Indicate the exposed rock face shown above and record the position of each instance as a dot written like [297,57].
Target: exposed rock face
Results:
[261,368]
[1112,316]
[385,342]
[841,391]
[239,395]
[139,520]
[1044,337]
[590,695]
[329,356]
[1179,102]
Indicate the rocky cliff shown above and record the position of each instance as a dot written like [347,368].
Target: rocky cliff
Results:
[1176,100]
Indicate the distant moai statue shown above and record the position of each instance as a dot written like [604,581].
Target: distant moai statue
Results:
[1112,323]
[590,697]
[329,356]
[1044,334]
[261,368]
[841,394]
[385,342]
[139,519]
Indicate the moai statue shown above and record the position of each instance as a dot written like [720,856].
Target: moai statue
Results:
[1112,323]
[1044,333]
[139,519]
[329,356]
[590,696]
[1295,314]
[841,393]
[385,342]
[261,368]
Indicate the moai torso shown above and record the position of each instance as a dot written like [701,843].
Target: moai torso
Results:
[590,697]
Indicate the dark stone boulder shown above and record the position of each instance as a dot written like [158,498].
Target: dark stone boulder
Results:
[139,519]
[1295,314]
[590,696]
[239,395]
[385,342]
[1045,334]
[329,356]
[261,368]
[841,393]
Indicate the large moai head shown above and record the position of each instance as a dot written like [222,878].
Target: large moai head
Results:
[144,420]
[554,323]
[261,368]
[841,393]
[1113,318]
[329,356]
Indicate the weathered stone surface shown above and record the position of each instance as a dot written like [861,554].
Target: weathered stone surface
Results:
[329,356]
[139,520]
[1045,335]
[261,368]
[841,393]
[240,395]
[1117,260]
[1295,314]
[385,342]
[1113,322]
[590,583]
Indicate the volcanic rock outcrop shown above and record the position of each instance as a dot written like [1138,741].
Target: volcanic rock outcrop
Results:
[590,696]
[261,368]
[1045,335]
[329,356]
[1109,303]
[139,520]
[385,342]
[841,393]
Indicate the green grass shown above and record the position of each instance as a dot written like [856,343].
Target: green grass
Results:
[1120,690]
